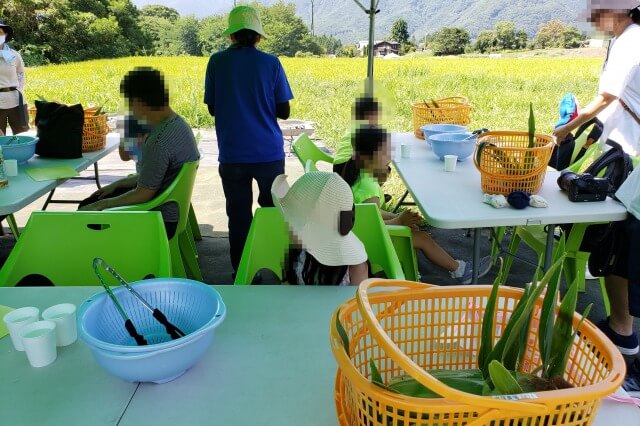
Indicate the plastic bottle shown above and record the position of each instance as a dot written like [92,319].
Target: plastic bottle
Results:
[3,176]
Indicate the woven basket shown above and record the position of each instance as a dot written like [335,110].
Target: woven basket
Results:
[94,131]
[412,327]
[452,110]
[507,164]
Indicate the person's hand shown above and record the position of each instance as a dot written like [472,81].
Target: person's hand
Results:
[561,133]
[97,206]
[410,219]
[103,192]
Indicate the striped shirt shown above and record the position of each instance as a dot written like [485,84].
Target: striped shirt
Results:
[169,145]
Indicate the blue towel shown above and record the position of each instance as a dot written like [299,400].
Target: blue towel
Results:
[568,109]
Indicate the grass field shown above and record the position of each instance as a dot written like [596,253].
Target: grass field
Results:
[324,88]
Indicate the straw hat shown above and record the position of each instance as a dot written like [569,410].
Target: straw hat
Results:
[244,18]
[622,5]
[8,30]
[314,208]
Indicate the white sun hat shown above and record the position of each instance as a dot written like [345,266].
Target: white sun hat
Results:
[621,5]
[314,208]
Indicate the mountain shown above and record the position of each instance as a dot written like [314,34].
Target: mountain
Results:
[345,20]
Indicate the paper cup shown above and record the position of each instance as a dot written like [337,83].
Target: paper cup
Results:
[450,163]
[11,167]
[16,320]
[39,340]
[64,315]
[405,150]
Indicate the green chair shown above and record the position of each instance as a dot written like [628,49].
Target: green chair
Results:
[61,246]
[193,224]
[184,259]
[306,150]
[268,242]
[403,244]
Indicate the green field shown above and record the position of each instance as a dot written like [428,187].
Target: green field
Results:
[324,88]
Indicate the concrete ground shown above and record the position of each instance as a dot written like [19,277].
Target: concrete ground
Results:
[209,204]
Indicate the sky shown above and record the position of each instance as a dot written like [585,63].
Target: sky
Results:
[198,8]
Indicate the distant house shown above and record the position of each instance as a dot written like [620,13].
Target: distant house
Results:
[380,48]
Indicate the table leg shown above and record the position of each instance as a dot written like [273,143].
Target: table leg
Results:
[548,250]
[476,255]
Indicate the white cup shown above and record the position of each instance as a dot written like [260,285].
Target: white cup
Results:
[450,163]
[64,315]
[405,150]
[39,340]
[11,167]
[17,319]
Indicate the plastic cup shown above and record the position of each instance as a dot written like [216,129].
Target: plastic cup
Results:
[39,340]
[64,315]
[450,163]
[405,150]
[11,167]
[16,320]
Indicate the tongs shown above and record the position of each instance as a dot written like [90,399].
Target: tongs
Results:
[172,330]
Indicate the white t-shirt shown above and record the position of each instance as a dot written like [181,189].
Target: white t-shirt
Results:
[11,75]
[621,77]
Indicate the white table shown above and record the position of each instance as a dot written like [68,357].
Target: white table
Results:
[23,190]
[270,364]
[454,200]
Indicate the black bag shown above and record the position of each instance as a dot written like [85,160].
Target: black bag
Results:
[59,130]
[563,151]
[602,241]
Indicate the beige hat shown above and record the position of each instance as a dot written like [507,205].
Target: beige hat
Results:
[314,208]
[621,5]
[244,18]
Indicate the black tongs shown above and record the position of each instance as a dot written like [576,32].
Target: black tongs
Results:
[172,330]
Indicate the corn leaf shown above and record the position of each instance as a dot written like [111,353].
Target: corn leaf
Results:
[435,104]
[565,356]
[342,333]
[470,381]
[512,331]
[502,379]
[532,126]
[376,377]
[547,315]
[486,334]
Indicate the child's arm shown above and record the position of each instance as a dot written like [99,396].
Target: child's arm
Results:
[406,218]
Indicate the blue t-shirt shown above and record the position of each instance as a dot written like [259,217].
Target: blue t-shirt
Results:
[244,85]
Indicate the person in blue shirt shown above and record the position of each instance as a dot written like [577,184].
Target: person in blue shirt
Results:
[247,91]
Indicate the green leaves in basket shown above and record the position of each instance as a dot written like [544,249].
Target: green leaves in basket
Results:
[486,334]
[545,330]
[502,379]
[342,333]
[435,104]
[532,126]
[98,111]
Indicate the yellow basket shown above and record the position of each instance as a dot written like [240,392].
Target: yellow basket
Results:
[412,327]
[94,130]
[452,110]
[507,164]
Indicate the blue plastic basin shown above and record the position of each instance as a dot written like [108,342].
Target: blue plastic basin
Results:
[435,129]
[20,148]
[453,144]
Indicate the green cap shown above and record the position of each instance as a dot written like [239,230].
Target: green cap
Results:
[244,18]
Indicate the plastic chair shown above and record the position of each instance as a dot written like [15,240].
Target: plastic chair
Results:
[268,242]
[184,259]
[306,150]
[61,246]
[403,244]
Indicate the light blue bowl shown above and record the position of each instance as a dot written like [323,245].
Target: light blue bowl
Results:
[194,307]
[453,144]
[20,148]
[435,129]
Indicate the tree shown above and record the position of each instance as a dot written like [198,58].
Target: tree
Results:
[572,37]
[184,37]
[450,41]
[522,39]
[158,11]
[329,44]
[400,31]
[287,33]
[505,35]
[550,34]
[348,51]
[486,42]
[210,34]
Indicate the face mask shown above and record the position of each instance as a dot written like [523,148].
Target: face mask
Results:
[2,38]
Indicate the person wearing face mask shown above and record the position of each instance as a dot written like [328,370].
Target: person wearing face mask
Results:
[617,105]
[168,145]
[12,106]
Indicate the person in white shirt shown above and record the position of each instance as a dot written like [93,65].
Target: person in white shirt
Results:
[12,106]
[617,105]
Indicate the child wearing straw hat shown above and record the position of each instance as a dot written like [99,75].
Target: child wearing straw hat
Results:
[247,91]
[320,213]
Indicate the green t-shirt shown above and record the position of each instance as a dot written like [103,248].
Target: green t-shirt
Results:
[366,187]
[345,149]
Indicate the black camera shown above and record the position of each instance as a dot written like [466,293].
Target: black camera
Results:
[584,186]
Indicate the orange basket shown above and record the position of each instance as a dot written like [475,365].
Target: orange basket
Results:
[412,327]
[94,130]
[452,110]
[507,164]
